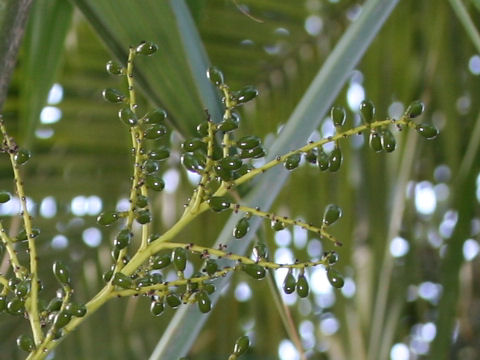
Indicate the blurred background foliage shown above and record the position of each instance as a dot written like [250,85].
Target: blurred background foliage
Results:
[411,218]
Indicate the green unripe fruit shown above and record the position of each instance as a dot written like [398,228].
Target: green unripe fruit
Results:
[22,288]
[215,75]
[427,131]
[241,229]
[160,153]
[203,301]
[248,142]
[192,144]
[375,141]
[156,116]
[231,162]
[160,261]
[335,278]
[154,131]
[219,203]
[367,111]
[191,163]
[123,239]
[22,156]
[114,68]
[211,266]
[230,123]
[146,48]
[322,160]
[254,270]
[143,281]
[62,319]
[61,272]
[127,116]
[25,343]
[179,258]
[289,283]
[260,251]
[3,303]
[173,300]
[156,308]
[331,214]
[153,237]
[154,182]
[246,94]
[4,197]
[156,278]
[311,156]
[107,218]
[202,129]
[302,286]
[332,257]
[54,305]
[292,161]
[113,96]
[76,310]
[255,153]
[107,275]
[143,216]
[388,140]
[277,225]
[209,288]
[122,281]
[141,201]
[335,159]
[222,173]
[338,115]
[241,345]
[415,109]
[15,306]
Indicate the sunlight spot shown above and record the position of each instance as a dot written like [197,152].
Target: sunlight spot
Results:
[287,351]
[329,325]
[45,133]
[92,237]
[425,200]
[300,237]
[172,179]
[399,351]
[123,204]
[313,25]
[355,95]
[48,207]
[50,115]
[319,282]
[430,291]
[471,248]
[59,242]
[395,110]
[349,288]
[399,247]
[474,65]
[283,237]
[55,95]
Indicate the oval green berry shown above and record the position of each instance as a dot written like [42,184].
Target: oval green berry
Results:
[22,288]
[160,261]
[331,214]
[248,142]
[289,283]
[173,300]
[335,159]
[62,319]
[375,141]
[3,303]
[231,162]
[338,115]
[146,48]
[190,145]
[332,257]
[255,153]
[311,156]
[260,251]
[157,307]
[141,201]
[127,116]
[179,258]
[114,68]
[22,235]
[229,124]
[211,266]
[388,140]
[367,111]
[54,305]
[427,131]
[322,160]
[246,94]
[277,225]
[143,216]
[4,197]
[241,229]
[254,270]
[241,345]
[107,275]
[154,131]
[22,156]
[302,286]
[113,96]
[154,182]
[191,163]
[215,75]
[16,306]
[203,301]
[219,203]
[292,161]
[61,272]
[76,310]
[123,239]
[156,278]
[156,116]
[209,288]
[25,343]
[107,218]
[122,280]
[335,278]
[415,109]
[160,153]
